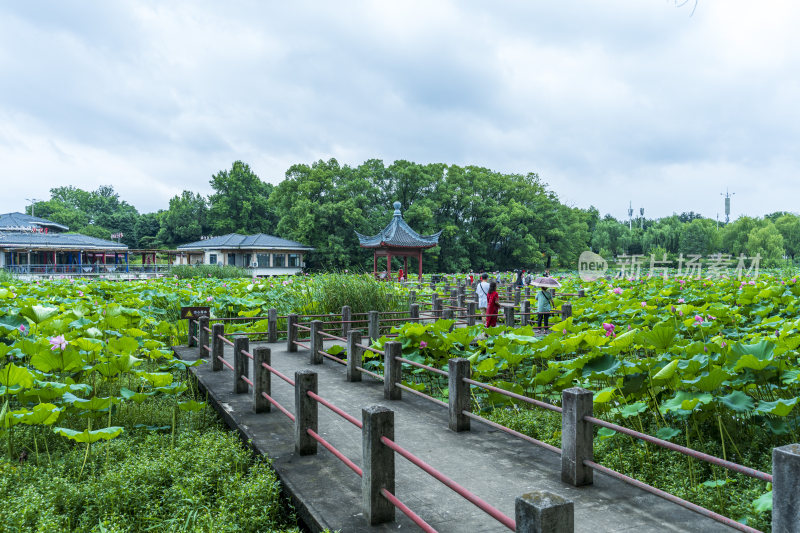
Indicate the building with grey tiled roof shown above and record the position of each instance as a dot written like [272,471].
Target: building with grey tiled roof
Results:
[262,254]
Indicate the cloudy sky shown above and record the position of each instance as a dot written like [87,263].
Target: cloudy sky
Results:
[609,102]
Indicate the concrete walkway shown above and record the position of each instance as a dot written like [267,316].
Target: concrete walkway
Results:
[494,465]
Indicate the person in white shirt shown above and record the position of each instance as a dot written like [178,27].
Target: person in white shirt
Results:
[481,291]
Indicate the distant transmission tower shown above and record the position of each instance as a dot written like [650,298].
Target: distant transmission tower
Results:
[641,217]
[630,215]
[727,196]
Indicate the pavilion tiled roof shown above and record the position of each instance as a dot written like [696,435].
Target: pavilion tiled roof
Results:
[259,241]
[398,234]
[21,221]
[56,241]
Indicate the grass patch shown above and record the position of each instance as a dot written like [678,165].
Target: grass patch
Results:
[328,293]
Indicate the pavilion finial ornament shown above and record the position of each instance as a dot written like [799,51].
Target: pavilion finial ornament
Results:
[397,206]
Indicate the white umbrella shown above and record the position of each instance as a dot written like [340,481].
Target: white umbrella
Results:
[545,282]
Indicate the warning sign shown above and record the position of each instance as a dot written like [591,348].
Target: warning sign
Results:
[195,312]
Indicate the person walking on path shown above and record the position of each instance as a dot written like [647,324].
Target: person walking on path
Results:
[493,305]
[482,292]
[544,302]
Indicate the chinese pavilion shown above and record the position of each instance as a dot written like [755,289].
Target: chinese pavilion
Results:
[398,240]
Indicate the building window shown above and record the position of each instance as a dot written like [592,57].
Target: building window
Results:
[212,259]
[263,260]
[278,260]
[232,259]
[294,260]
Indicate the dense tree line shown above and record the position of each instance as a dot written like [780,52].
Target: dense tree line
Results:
[489,220]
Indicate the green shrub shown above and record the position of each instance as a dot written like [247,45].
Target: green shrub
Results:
[328,293]
[207,482]
[208,271]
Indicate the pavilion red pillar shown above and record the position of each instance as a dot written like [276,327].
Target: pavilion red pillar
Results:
[419,262]
[375,264]
[388,266]
[405,265]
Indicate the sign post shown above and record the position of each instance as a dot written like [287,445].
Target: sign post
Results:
[192,316]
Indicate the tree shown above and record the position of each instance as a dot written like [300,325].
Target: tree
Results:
[789,227]
[185,221]
[768,242]
[699,237]
[735,235]
[239,204]
[147,227]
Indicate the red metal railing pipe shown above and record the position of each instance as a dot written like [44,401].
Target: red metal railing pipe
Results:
[421,394]
[478,502]
[512,432]
[206,329]
[332,357]
[283,377]
[370,349]
[336,452]
[763,476]
[224,362]
[302,345]
[420,365]
[246,380]
[353,420]
[423,525]
[279,406]
[247,354]
[373,374]
[519,397]
[671,498]
[226,341]
[334,337]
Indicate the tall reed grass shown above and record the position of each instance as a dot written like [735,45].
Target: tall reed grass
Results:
[328,293]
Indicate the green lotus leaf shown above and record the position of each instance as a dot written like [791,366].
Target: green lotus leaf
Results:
[605,365]
[546,376]
[90,436]
[88,344]
[336,349]
[759,355]
[632,409]
[38,313]
[175,388]
[625,340]
[709,381]
[42,414]
[500,399]
[737,401]
[44,391]
[192,405]
[110,366]
[66,360]
[157,379]
[667,433]
[12,322]
[668,371]
[13,375]
[605,395]
[660,337]
[605,433]
[123,345]
[763,504]
[684,402]
[137,397]
[779,407]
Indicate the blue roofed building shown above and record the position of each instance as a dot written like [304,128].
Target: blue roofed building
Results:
[260,254]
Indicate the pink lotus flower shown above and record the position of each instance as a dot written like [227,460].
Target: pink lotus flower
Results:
[58,343]
[423,344]
[724,344]
[80,293]
[210,298]
[617,290]
[609,329]
[752,282]
[564,332]
[680,313]
[681,301]
[644,304]
[22,329]
[777,333]
[698,319]
[710,317]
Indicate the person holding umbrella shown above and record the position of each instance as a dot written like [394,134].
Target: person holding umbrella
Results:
[493,305]
[544,301]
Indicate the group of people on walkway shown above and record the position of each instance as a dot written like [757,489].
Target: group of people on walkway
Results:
[489,302]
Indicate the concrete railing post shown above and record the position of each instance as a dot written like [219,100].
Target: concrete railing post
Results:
[240,366]
[544,512]
[472,308]
[272,325]
[581,293]
[525,313]
[261,380]
[447,313]
[460,304]
[552,292]
[508,311]
[347,316]
[377,461]
[786,487]
[412,297]
[217,346]
[458,393]
[315,343]
[291,333]
[305,409]
[446,286]
[374,326]
[413,312]
[509,292]
[436,306]
[433,285]
[392,371]
[566,310]
[203,346]
[453,297]
[527,292]
[517,295]
[354,354]
[576,436]
[191,342]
